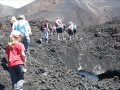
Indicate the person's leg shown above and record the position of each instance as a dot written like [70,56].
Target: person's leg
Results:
[41,39]
[70,37]
[46,35]
[20,75]
[14,78]
[62,33]
[58,35]
[69,32]
[63,36]
[26,43]
[74,33]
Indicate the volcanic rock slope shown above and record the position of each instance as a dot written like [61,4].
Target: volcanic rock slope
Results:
[53,65]
[112,6]
[6,10]
[82,12]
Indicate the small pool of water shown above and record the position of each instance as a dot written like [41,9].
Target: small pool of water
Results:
[107,75]
[88,74]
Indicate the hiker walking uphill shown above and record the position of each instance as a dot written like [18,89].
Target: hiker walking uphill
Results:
[74,30]
[70,29]
[13,20]
[45,30]
[64,29]
[23,26]
[59,28]
[15,57]
[51,29]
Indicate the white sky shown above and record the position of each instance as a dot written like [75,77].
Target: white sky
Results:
[15,3]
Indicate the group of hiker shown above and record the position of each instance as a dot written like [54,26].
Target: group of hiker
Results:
[19,40]
[58,28]
[17,50]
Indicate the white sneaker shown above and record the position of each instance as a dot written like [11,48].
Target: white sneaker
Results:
[24,69]
[40,40]
[20,89]
[58,39]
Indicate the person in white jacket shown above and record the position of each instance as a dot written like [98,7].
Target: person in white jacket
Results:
[59,28]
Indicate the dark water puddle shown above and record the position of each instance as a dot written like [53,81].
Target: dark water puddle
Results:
[107,75]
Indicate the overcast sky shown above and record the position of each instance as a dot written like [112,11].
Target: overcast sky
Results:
[15,3]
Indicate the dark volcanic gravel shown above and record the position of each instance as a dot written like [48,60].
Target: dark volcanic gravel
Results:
[53,65]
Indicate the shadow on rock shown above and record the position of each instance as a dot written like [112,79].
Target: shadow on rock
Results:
[2,87]
[109,74]
[38,41]
[4,62]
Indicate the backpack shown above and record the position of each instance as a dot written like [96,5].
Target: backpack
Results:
[43,25]
[75,28]
[22,27]
[68,24]
[56,24]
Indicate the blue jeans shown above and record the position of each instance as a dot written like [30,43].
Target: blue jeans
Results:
[17,76]
[45,34]
[26,43]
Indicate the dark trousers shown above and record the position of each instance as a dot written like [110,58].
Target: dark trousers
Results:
[17,76]
[26,43]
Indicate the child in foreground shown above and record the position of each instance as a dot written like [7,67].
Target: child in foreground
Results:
[15,56]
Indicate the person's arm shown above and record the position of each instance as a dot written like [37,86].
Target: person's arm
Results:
[29,29]
[23,56]
[13,27]
[30,33]
[47,27]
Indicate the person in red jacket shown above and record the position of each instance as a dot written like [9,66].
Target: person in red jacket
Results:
[15,56]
